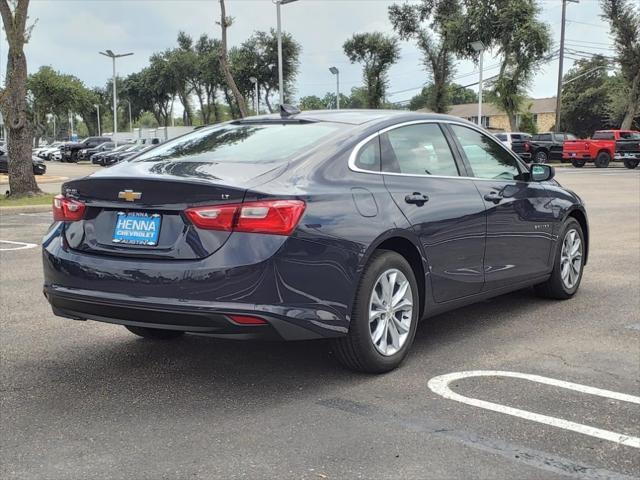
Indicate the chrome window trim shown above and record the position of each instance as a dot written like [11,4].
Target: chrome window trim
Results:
[356,150]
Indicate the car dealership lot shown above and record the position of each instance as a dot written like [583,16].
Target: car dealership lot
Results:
[90,400]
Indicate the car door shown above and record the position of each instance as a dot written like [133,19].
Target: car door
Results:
[445,210]
[519,213]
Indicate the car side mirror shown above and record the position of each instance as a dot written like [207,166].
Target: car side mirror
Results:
[542,173]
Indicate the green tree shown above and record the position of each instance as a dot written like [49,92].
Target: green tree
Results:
[513,30]
[13,99]
[427,23]
[225,22]
[376,52]
[586,95]
[311,102]
[624,19]
[457,95]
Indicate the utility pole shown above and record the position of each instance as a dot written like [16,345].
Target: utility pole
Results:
[279,3]
[98,116]
[478,46]
[561,63]
[113,57]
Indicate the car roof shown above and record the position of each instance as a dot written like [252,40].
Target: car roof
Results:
[356,116]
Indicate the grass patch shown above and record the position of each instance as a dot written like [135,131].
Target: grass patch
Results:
[45,199]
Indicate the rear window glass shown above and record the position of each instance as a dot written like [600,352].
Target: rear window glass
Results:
[603,136]
[501,136]
[247,143]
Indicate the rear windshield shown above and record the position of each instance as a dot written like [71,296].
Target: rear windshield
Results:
[256,143]
[604,136]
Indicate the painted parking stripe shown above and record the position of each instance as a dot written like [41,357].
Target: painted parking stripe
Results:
[6,245]
[440,385]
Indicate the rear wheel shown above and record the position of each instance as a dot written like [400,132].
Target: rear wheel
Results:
[154,333]
[578,163]
[541,156]
[631,164]
[385,316]
[567,268]
[602,160]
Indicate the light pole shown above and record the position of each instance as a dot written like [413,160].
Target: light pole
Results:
[561,63]
[98,109]
[113,56]
[336,72]
[256,104]
[280,69]
[130,122]
[479,47]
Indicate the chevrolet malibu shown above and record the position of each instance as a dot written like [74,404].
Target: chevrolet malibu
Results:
[347,225]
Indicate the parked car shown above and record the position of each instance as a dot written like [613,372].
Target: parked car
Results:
[70,150]
[548,146]
[100,157]
[604,146]
[39,168]
[86,153]
[129,154]
[48,152]
[347,225]
[109,157]
[508,137]
[519,142]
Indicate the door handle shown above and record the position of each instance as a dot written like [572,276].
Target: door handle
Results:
[416,198]
[494,197]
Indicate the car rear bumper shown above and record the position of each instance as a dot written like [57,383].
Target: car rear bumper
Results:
[193,317]
[198,295]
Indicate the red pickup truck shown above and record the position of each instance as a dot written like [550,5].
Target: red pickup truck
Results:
[604,146]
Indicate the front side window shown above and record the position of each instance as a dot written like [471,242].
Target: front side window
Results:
[420,149]
[242,143]
[630,135]
[487,158]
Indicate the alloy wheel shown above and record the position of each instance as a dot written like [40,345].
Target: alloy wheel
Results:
[571,259]
[390,312]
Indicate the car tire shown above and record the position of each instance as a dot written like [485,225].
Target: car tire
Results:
[561,285]
[359,350]
[578,163]
[602,160]
[541,156]
[631,164]
[154,333]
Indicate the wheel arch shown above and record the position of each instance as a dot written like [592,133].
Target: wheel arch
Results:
[581,218]
[408,246]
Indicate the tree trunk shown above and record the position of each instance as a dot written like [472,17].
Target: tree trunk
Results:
[22,181]
[267,92]
[225,22]
[633,105]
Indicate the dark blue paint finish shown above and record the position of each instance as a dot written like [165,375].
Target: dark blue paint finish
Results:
[303,285]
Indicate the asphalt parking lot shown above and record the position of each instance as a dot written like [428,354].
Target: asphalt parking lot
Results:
[90,400]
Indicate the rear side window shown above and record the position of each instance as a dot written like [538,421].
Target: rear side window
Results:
[420,149]
[570,136]
[369,156]
[244,143]
[503,137]
[545,137]
[630,135]
[488,159]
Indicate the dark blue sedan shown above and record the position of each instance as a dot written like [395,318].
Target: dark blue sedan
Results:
[348,225]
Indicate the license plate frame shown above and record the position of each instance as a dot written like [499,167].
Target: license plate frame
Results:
[137,229]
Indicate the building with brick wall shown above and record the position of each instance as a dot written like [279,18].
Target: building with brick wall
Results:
[494,118]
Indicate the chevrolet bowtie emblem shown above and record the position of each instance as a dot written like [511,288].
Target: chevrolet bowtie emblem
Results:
[130,195]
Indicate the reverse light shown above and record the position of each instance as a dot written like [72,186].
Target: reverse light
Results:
[67,210]
[275,217]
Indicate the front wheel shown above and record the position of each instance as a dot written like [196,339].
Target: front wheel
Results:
[630,163]
[154,333]
[602,160]
[578,163]
[541,156]
[568,264]
[384,318]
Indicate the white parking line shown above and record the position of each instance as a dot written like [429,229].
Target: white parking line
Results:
[16,245]
[440,385]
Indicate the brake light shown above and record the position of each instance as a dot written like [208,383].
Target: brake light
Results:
[527,146]
[275,217]
[67,210]
[247,320]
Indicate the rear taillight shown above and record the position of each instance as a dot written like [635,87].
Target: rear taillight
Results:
[275,217]
[527,146]
[67,210]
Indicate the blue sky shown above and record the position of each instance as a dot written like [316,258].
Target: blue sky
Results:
[69,34]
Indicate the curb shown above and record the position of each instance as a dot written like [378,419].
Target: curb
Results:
[25,209]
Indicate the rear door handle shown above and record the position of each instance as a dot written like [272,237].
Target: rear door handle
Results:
[494,197]
[416,198]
